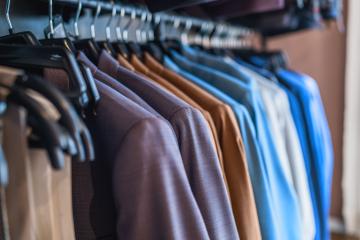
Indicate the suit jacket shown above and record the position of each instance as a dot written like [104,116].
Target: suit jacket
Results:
[198,154]
[138,175]
[108,193]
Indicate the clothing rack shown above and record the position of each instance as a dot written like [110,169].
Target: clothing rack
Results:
[212,142]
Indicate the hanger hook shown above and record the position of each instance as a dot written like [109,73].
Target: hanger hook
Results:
[118,25]
[76,21]
[139,30]
[215,38]
[113,14]
[157,20]
[177,22]
[126,28]
[151,36]
[97,13]
[206,40]
[51,19]
[7,14]
[156,23]
[185,35]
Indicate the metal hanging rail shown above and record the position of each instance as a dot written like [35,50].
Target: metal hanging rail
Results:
[162,16]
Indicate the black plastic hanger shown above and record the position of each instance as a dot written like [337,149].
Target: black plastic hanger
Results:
[53,138]
[135,49]
[40,57]
[107,46]
[52,39]
[68,115]
[11,79]
[90,48]
[153,44]
[26,37]
[62,42]
[56,34]
[121,49]
[92,91]
[29,54]
[69,119]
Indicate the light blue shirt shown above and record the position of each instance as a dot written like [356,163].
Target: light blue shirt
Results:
[300,124]
[277,205]
[299,119]
[320,166]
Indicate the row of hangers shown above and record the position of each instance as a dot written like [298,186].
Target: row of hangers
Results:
[23,50]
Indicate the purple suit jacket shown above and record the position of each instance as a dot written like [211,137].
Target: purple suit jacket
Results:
[111,82]
[140,189]
[196,147]
[137,187]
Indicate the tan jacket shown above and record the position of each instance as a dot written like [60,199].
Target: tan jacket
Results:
[38,199]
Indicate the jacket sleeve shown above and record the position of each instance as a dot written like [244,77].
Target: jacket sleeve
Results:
[152,195]
[204,173]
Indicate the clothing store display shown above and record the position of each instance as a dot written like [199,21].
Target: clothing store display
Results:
[153,134]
